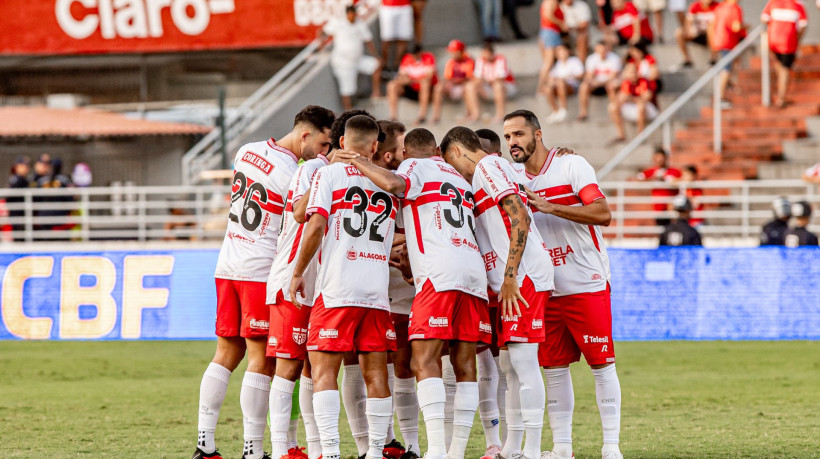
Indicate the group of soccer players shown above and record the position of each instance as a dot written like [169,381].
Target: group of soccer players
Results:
[419,266]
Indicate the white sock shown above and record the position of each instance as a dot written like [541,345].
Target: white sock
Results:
[560,403]
[431,401]
[306,407]
[515,424]
[211,395]
[379,416]
[253,398]
[524,360]
[407,410]
[326,409]
[293,434]
[354,396]
[281,399]
[487,402]
[466,404]
[502,399]
[448,375]
[391,380]
[608,395]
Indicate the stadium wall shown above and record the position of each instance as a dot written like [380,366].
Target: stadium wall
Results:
[663,294]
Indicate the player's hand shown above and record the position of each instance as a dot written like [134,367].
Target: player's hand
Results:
[562,151]
[297,286]
[540,204]
[400,261]
[510,296]
[344,156]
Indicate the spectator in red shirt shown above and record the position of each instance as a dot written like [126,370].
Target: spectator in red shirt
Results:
[416,79]
[633,102]
[695,28]
[689,174]
[647,68]
[787,21]
[458,71]
[628,26]
[660,172]
[552,26]
[727,30]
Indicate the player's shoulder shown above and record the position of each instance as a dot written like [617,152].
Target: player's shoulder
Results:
[570,162]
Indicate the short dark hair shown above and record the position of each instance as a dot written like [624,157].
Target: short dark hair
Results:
[659,150]
[390,130]
[317,117]
[463,136]
[360,128]
[528,116]
[692,168]
[488,45]
[416,49]
[492,137]
[350,8]
[418,139]
[337,130]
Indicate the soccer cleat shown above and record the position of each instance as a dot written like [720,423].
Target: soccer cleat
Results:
[393,450]
[409,454]
[264,456]
[612,455]
[199,454]
[297,453]
[491,452]
[553,455]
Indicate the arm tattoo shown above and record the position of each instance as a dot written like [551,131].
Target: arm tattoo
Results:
[514,207]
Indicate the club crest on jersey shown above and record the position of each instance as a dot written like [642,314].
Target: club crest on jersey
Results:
[260,324]
[328,333]
[299,335]
[352,255]
[272,341]
[390,335]
[438,322]
[455,240]
[258,162]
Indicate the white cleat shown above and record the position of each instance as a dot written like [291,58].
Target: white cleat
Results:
[612,455]
[553,455]
[492,452]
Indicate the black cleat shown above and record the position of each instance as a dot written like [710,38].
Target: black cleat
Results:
[199,454]
[409,455]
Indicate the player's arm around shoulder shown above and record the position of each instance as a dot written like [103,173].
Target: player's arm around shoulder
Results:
[581,175]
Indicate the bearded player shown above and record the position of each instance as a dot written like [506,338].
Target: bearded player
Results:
[263,171]
[352,221]
[579,320]
[518,271]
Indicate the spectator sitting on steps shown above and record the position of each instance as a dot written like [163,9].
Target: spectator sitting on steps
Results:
[415,81]
[695,29]
[800,236]
[632,103]
[602,70]
[458,71]
[679,232]
[564,79]
[774,232]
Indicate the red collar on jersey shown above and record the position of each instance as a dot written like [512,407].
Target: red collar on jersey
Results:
[272,144]
[437,158]
[546,165]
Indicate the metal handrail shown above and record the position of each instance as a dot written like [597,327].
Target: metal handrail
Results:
[662,120]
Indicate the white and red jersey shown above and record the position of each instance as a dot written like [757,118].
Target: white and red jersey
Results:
[437,213]
[262,172]
[496,69]
[701,16]
[401,293]
[290,238]
[577,251]
[361,217]
[786,18]
[493,180]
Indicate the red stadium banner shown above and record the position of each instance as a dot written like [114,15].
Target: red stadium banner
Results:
[48,27]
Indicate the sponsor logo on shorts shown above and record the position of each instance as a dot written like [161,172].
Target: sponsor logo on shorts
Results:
[438,322]
[484,327]
[299,335]
[537,324]
[595,339]
[272,341]
[518,339]
[328,333]
[351,254]
[509,318]
[391,335]
[260,324]
[610,359]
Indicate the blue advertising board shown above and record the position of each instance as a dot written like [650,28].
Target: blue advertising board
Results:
[688,294]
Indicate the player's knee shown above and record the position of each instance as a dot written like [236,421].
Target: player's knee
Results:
[289,369]
[229,352]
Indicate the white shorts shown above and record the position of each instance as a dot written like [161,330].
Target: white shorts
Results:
[650,5]
[396,23]
[629,111]
[486,91]
[677,6]
[348,75]
[454,91]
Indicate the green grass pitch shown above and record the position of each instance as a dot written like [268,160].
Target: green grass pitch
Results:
[680,399]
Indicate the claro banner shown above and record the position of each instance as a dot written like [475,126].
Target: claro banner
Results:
[681,294]
[36,27]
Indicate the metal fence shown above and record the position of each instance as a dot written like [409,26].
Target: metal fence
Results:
[150,213]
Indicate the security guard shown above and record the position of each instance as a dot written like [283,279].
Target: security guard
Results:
[774,233]
[800,236]
[679,232]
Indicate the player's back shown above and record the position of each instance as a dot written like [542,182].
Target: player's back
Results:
[262,171]
[438,219]
[353,262]
[577,251]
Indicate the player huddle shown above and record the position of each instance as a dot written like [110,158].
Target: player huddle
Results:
[418,266]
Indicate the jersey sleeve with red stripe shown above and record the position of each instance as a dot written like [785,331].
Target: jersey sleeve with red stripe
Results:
[290,239]
[438,219]
[353,257]
[494,180]
[577,251]
[262,173]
